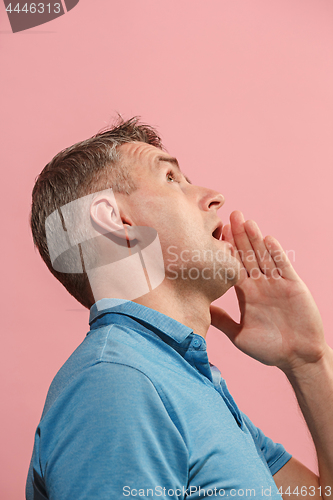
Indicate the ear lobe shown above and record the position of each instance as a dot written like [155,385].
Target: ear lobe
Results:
[132,233]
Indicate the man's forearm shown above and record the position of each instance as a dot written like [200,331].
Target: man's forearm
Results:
[313,386]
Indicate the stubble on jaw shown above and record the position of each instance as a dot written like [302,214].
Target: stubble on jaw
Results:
[212,274]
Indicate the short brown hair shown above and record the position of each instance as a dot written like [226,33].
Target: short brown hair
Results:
[85,168]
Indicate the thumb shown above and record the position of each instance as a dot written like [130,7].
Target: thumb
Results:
[222,321]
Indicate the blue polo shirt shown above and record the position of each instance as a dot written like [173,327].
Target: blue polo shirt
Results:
[138,411]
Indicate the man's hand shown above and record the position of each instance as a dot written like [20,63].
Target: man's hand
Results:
[280,323]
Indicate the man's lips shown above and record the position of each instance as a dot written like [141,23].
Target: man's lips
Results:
[217,233]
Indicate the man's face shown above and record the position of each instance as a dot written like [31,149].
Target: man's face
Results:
[185,218]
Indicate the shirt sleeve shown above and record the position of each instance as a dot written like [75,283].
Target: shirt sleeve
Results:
[274,454]
[108,436]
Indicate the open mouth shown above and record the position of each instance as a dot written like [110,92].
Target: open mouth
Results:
[217,233]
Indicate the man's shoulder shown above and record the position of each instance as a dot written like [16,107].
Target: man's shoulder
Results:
[108,347]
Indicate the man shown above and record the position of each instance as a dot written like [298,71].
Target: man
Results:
[137,410]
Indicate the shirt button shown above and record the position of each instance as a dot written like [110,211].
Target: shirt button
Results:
[196,343]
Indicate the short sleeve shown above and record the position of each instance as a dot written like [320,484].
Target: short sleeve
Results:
[109,435]
[274,454]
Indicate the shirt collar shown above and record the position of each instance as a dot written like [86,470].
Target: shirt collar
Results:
[170,327]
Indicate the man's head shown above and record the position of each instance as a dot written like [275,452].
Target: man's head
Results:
[87,167]
[148,189]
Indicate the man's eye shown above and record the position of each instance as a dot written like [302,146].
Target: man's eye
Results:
[170,176]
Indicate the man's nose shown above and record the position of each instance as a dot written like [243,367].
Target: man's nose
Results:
[212,200]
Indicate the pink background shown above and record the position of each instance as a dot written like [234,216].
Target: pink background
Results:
[241,92]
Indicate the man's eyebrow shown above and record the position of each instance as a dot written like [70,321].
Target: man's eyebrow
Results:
[174,161]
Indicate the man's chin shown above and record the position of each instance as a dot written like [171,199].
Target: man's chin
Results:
[228,277]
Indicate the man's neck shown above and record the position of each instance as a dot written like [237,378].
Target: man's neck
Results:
[190,309]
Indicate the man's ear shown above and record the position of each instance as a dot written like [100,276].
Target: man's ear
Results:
[105,216]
